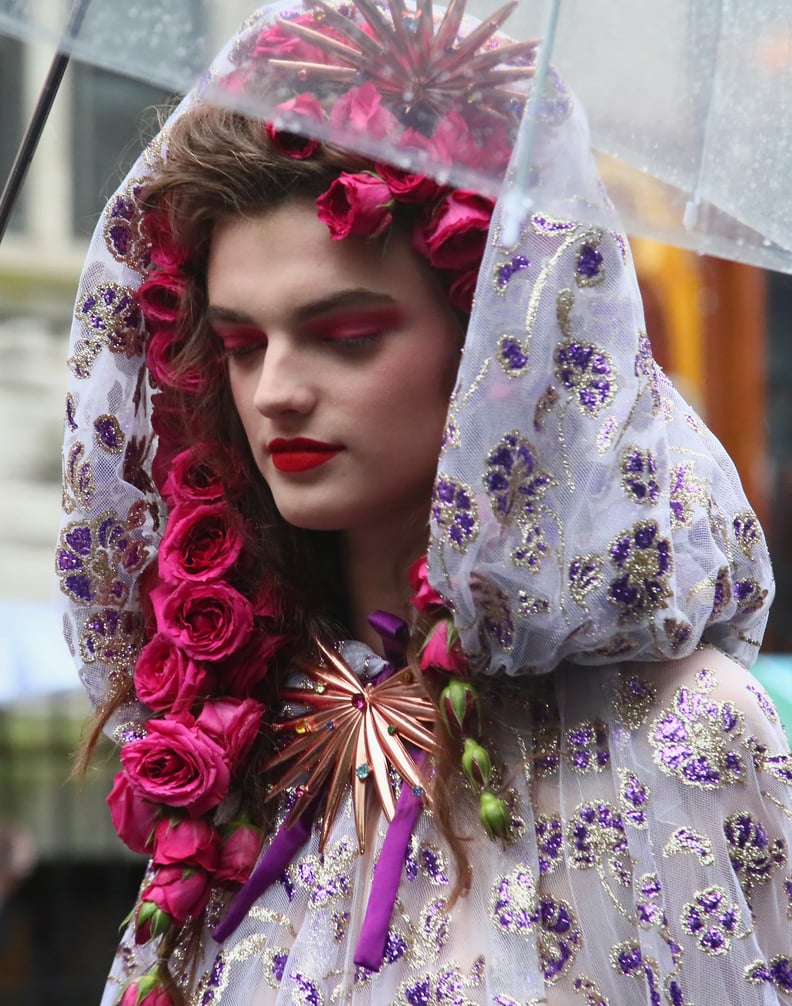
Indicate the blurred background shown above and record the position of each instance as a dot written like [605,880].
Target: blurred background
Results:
[721,330]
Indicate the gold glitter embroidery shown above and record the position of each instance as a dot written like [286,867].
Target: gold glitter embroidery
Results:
[78,480]
[754,855]
[633,700]
[110,318]
[544,406]
[585,575]
[643,562]
[606,434]
[748,532]
[712,920]
[596,840]
[634,798]
[529,605]
[433,988]
[494,610]
[95,560]
[107,434]
[638,475]
[589,264]
[586,746]
[123,226]
[114,638]
[587,988]
[327,877]
[454,512]
[685,492]
[688,840]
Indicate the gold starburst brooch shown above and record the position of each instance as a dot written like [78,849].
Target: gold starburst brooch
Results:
[421,69]
[354,734]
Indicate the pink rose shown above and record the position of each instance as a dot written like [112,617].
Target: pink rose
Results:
[162,352]
[233,724]
[440,653]
[248,667]
[356,204]
[133,817]
[239,853]
[190,842]
[293,113]
[456,235]
[424,597]
[206,620]
[279,43]
[191,480]
[145,993]
[166,678]
[463,289]
[178,892]
[360,110]
[177,764]
[199,544]
[408,187]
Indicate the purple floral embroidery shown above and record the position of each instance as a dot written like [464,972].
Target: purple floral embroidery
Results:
[587,745]
[644,562]
[750,595]
[111,317]
[112,637]
[123,231]
[589,263]
[305,992]
[585,575]
[711,919]
[549,842]
[645,366]
[747,532]
[549,225]
[634,796]
[505,270]
[107,431]
[512,356]
[494,608]
[214,980]
[326,876]
[433,864]
[454,511]
[513,479]
[764,703]
[753,855]
[689,840]
[649,911]
[93,559]
[628,960]
[513,905]
[587,372]
[639,470]
[684,492]
[597,839]
[776,972]
[696,740]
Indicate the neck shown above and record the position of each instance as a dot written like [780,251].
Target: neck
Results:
[377,570]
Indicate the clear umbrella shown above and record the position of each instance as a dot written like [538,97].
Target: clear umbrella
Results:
[686,99]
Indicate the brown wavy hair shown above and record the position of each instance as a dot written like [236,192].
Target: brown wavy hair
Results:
[221,165]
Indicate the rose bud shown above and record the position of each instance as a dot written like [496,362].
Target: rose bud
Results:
[146,991]
[476,763]
[494,815]
[150,923]
[458,700]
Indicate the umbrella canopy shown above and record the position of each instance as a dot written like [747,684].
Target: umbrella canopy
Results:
[685,98]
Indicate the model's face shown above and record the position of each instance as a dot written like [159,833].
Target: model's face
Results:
[341,358]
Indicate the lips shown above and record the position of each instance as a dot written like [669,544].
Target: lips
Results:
[301,454]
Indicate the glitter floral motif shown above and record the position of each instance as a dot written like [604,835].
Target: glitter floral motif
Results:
[638,475]
[493,606]
[748,532]
[649,910]
[587,372]
[454,511]
[588,989]
[777,972]
[505,270]
[643,559]
[606,434]
[326,877]
[634,797]
[549,842]
[516,486]
[512,356]
[587,747]
[633,700]
[646,367]
[123,228]
[78,480]
[690,840]
[111,317]
[304,991]
[753,854]
[112,637]
[108,435]
[685,492]
[589,262]
[516,909]
[544,406]
[543,224]
[627,959]
[585,575]
[695,739]
[750,596]
[764,703]
[446,987]
[95,559]
[596,839]
[711,919]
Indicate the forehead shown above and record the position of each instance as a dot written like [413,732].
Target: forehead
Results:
[271,264]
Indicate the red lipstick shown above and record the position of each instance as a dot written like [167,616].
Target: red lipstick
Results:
[300,454]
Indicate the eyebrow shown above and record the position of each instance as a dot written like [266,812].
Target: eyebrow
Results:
[352,297]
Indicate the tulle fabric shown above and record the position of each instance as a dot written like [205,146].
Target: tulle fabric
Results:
[652,815]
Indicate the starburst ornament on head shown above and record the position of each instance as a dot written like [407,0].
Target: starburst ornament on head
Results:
[355,733]
[421,70]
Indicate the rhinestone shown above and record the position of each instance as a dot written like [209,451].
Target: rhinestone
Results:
[363,771]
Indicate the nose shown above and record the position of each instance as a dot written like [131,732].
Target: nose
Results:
[285,383]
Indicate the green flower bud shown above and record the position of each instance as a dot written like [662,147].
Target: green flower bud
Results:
[494,814]
[476,763]
[458,701]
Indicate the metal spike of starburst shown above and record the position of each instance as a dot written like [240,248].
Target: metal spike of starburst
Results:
[421,70]
[353,734]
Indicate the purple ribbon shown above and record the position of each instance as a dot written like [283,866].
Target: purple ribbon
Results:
[285,846]
[370,949]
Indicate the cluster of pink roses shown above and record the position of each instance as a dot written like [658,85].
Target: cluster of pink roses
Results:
[450,229]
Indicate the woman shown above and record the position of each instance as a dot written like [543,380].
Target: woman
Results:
[588,798]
